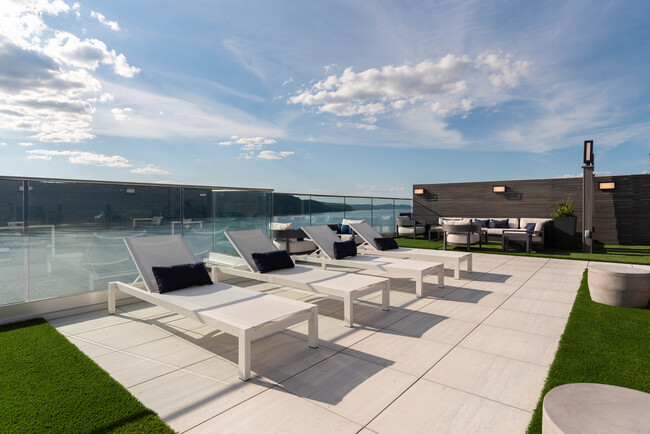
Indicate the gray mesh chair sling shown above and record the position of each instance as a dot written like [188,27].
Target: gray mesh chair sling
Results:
[325,238]
[246,314]
[369,247]
[347,286]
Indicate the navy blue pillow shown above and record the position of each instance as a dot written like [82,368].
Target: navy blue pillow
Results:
[346,229]
[275,260]
[501,224]
[180,276]
[343,249]
[530,228]
[483,223]
[386,243]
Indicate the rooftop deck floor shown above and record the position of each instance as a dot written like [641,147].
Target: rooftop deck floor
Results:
[470,357]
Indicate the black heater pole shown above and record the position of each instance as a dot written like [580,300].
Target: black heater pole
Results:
[588,198]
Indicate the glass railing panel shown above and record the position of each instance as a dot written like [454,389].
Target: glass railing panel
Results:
[290,208]
[383,215]
[236,210]
[77,231]
[327,210]
[197,227]
[12,243]
[358,208]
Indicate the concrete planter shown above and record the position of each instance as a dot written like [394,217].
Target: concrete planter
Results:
[565,232]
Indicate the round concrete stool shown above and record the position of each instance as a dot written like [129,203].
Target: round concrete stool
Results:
[619,284]
[595,408]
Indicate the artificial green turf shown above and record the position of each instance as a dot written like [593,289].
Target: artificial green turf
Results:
[602,253]
[48,385]
[601,344]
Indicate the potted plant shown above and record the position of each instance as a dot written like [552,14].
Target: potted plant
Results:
[564,221]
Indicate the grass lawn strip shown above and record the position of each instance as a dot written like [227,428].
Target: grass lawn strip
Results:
[602,253]
[601,344]
[48,385]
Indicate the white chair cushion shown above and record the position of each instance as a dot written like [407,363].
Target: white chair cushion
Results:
[277,226]
[348,222]
[461,239]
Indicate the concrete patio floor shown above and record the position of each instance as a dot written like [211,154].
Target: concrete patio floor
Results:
[469,357]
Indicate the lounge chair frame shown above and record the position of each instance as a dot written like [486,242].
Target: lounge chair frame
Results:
[346,286]
[368,247]
[243,313]
[324,238]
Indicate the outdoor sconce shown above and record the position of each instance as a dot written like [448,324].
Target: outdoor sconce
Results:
[607,185]
[418,191]
[588,157]
[202,194]
[499,188]
[130,190]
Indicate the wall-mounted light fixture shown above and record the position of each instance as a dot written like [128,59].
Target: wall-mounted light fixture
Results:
[607,185]
[588,157]
[499,188]
[202,194]
[129,190]
[418,191]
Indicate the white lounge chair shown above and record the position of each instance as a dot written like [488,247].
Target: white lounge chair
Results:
[369,247]
[246,314]
[347,286]
[325,238]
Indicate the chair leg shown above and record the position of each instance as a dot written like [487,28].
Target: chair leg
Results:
[312,327]
[245,354]
[112,289]
[348,320]
[385,296]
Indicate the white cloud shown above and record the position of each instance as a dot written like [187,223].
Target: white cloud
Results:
[121,114]
[287,81]
[47,85]
[248,141]
[149,170]
[25,144]
[84,157]
[272,155]
[39,157]
[3,144]
[452,86]
[102,19]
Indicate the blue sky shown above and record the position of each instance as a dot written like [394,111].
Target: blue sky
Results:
[323,97]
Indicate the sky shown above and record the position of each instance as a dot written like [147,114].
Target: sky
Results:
[337,97]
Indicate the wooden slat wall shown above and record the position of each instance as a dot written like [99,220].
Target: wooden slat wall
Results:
[622,216]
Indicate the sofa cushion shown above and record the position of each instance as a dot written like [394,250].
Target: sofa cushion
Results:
[499,224]
[275,260]
[344,249]
[351,222]
[530,227]
[484,223]
[295,246]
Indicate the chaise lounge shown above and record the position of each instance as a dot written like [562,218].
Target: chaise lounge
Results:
[325,239]
[246,314]
[369,247]
[347,286]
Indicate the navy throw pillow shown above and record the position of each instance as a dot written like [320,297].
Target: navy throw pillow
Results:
[530,228]
[346,229]
[180,276]
[501,224]
[343,249]
[386,243]
[275,260]
[483,223]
